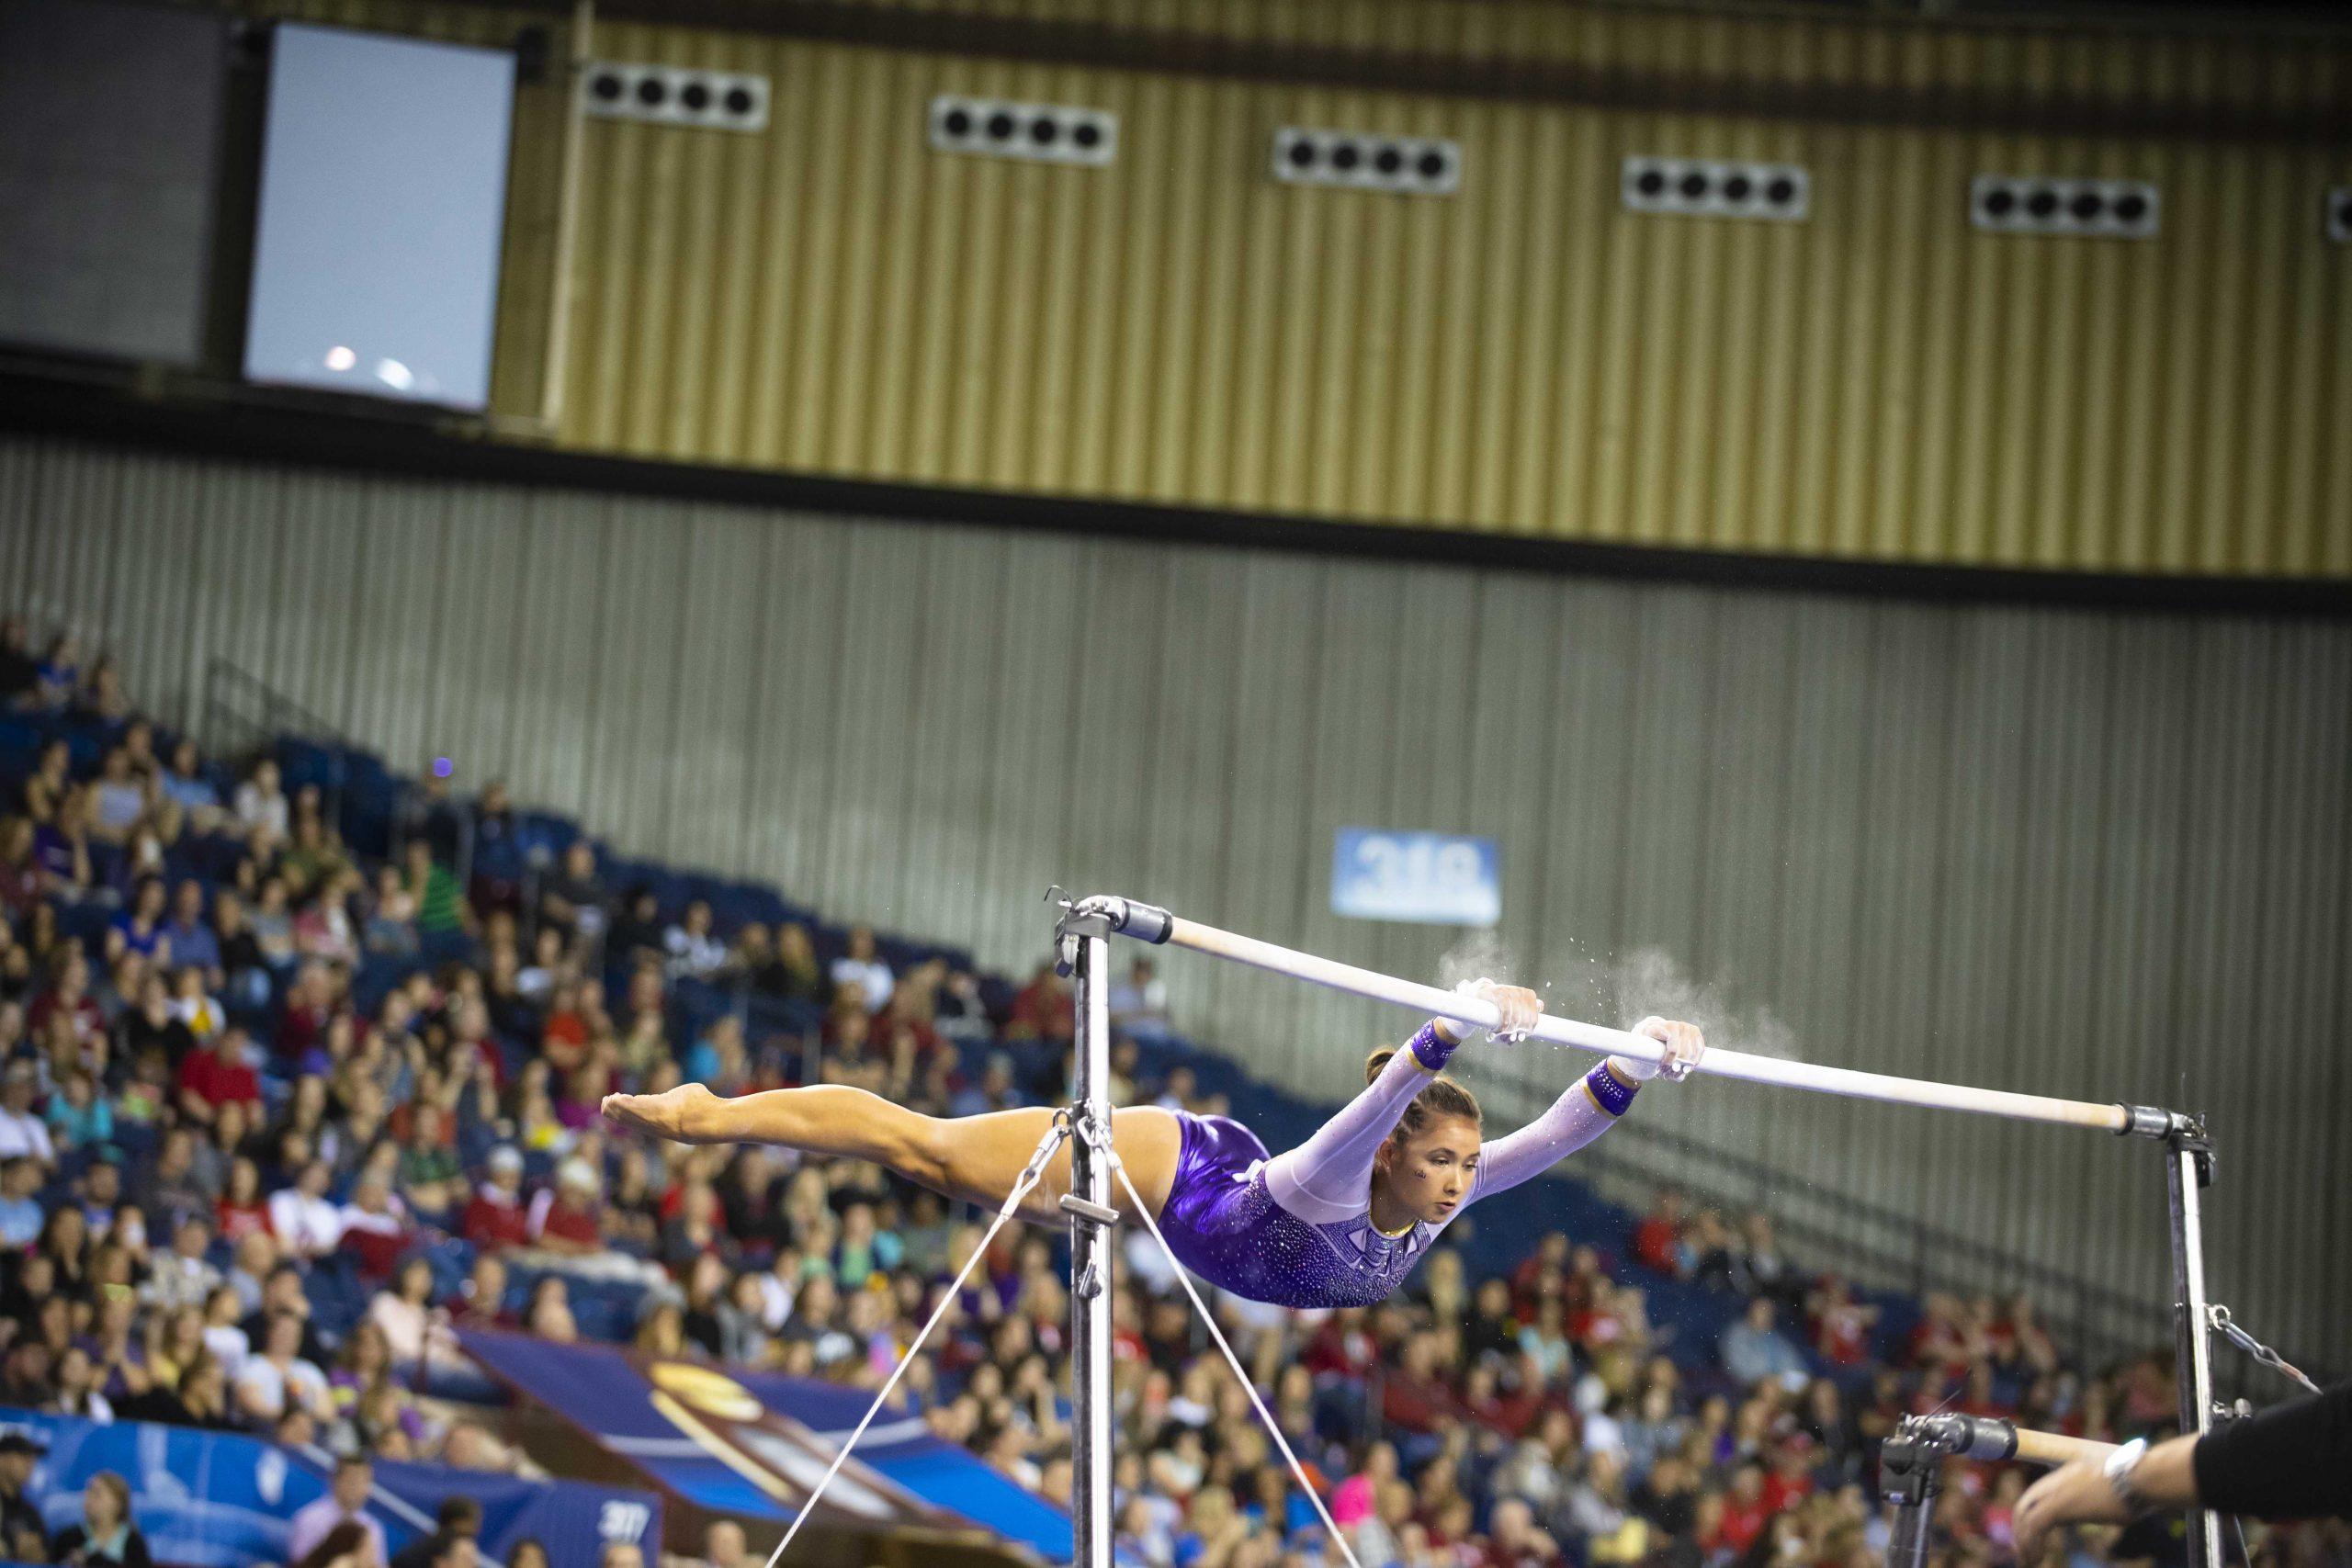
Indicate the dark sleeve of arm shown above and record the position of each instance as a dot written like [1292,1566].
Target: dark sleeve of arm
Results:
[2293,1461]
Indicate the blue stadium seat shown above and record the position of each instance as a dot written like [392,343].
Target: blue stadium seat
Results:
[544,835]
[85,923]
[303,762]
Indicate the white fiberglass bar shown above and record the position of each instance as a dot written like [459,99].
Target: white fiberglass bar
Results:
[2112,1118]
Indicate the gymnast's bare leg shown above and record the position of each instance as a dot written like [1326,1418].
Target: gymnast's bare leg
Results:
[976,1158]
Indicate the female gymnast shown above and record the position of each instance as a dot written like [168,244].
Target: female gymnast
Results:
[1339,1221]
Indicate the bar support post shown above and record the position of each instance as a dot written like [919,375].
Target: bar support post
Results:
[2189,1170]
[1083,951]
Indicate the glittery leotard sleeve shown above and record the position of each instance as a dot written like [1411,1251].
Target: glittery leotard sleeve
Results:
[1329,1177]
[1582,1114]
[1297,1230]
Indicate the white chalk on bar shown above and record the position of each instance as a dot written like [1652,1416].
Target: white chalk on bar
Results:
[1721,1062]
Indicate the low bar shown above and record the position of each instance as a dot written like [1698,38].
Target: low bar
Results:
[1991,1438]
[1147,923]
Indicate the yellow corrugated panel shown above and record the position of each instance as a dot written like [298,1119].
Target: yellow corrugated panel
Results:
[1880,382]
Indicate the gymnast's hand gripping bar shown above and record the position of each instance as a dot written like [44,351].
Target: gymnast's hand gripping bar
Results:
[1148,923]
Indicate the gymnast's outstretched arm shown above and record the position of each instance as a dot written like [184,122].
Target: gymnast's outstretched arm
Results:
[1590,1108]
[1328,1177]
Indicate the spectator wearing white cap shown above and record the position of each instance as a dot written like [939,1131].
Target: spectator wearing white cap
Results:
[495,1216]
[567,1217]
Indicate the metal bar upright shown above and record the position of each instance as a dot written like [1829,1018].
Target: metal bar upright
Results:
[1090,1250]
[2187,1168]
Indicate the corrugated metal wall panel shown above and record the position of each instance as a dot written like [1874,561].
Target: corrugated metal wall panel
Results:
[1879,381]
[2098,854]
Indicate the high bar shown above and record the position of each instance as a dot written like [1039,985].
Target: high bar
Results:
[1148,923]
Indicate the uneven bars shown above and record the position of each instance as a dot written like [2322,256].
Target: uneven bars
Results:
[1149,923]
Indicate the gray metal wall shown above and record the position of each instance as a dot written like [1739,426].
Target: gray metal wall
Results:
[2099,856]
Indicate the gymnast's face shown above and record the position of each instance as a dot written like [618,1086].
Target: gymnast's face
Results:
[1428,1176]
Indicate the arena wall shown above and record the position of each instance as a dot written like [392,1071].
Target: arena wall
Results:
[2098,853]
[1527,358]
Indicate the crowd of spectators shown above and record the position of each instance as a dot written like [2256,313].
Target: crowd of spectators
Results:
[280,1119]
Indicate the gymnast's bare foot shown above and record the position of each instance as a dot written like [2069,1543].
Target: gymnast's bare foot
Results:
[669,1114]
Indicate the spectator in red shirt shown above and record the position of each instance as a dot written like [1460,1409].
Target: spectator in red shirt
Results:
[1043,1010]
[481,1301]
[1745,1511]
[375,1228]
[68,993]
[1657,1240]
[1600,1325]
[1841,1326]
[242,1210]
[302,1026]
[495,1216]
[1414,1396]
[1941,1345]
[1514,1541]
[1707,1526]
[1790,1480]
[565,1217]
[564,1038]
[217,1073]
[1550,1256]
[1343,1347]
[907,1010]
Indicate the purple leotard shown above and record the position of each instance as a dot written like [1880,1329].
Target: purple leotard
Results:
[1295,1230]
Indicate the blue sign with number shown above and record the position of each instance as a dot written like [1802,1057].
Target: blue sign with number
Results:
[1435,878]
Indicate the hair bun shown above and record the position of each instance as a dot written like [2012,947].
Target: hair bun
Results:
[1442,1096]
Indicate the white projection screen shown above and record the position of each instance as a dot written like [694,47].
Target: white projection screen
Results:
[383,197]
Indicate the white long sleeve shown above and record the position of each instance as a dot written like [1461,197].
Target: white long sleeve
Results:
[1329,1177]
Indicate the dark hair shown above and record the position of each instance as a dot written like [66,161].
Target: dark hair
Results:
[342,1539]
[1442,1096]
[458,1511]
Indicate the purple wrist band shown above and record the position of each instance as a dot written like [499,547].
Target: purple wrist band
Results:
[1611,1093]
[1430,1048]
